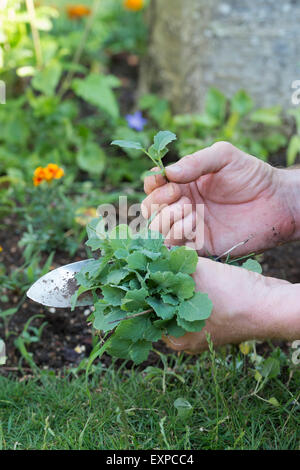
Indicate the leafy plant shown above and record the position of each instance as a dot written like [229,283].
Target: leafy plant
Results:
[156,152]
[147,290]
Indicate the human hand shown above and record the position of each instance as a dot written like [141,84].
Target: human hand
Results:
[243,198]
[246,306]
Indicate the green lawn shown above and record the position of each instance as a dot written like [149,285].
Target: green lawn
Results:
[133,409]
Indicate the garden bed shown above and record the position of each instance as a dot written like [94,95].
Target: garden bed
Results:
[67,338]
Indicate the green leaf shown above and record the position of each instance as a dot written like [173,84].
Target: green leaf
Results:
[162,139]
[215,105]
[183,407]
[115,276]
[183,260]
[270,368]
[174,330]
[91,158]
[119,347]
[132,329]
[106,322]
[47,79]
[241,103]
[190,326]
[127,144]
[268,116]
[152,173]
[293,150]
[139,351]
[199,307]
[137,261]
[169,299]
[120,238]
[161,309]
[252,265]
[134,300]
[112,295]
[97,90]
[179,284]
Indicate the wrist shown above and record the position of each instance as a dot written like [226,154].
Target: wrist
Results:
[290,192]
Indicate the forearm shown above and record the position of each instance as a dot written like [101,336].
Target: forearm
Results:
[279,316]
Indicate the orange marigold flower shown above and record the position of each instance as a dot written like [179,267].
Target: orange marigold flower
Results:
[53,171]
[50,172]
[78,11]
[38,176]
[134,5]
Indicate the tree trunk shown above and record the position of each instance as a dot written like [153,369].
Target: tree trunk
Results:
[231,44]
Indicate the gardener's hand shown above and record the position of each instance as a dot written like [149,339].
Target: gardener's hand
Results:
[243,198]
[247,306]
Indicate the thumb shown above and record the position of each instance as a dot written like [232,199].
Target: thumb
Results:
[209,160]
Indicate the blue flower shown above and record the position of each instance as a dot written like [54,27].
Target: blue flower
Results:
[136,121]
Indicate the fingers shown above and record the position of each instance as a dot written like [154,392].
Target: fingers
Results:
[153,182]
[170,215]
[209,160]
[164,195]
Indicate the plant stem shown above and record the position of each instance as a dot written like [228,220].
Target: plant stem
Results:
[35,33]
[78,53]
[133,316]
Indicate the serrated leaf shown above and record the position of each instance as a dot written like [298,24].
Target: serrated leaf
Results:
[199,307]
[194,326]
[252,265]
[139,351]
[169,299]
[174,330]
[106,322]
[115,276]
[127,144]
[132,329]
[161,309]
[162,139]
[112,295]
[134,300]
[137,261]
[119,347]
[179,284]
[183,260]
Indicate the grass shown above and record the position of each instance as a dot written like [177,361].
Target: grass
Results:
[133,409]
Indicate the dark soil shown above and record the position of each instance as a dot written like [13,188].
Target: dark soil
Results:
[67,338]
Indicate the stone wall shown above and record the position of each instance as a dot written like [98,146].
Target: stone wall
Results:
[229,44]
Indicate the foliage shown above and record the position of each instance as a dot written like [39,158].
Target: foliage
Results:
[156,152]
[147,290]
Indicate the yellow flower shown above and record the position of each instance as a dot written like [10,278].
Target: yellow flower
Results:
[245,348]
[77,11]
[1,249]
[85,214]
[134,5]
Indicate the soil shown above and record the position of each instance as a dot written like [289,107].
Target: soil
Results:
[67,337]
